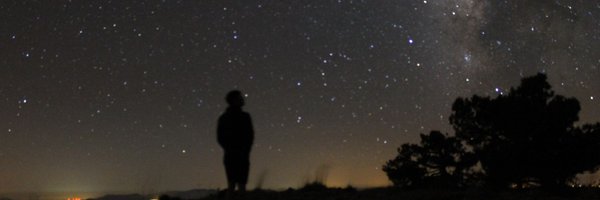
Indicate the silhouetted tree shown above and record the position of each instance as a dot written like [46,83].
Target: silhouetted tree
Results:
[404,170]
[524,137]
[438,161]
[527,136]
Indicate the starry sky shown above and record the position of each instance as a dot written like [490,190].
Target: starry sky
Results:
[104,96]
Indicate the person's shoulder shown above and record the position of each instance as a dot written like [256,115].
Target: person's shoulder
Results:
[222,116]
[245,114]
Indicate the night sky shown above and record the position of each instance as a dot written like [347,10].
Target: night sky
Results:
[101,96]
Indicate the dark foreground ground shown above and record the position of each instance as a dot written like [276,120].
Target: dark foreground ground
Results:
[320,192]
[430,194]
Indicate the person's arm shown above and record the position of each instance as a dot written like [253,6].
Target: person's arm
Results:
[248,132]
[251,130]
[220,134]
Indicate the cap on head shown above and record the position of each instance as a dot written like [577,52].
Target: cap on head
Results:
[235,98]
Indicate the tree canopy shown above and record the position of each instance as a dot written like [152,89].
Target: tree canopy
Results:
[526,137]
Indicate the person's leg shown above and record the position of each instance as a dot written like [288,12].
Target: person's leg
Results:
[242,187]
[230,172]
[244,169]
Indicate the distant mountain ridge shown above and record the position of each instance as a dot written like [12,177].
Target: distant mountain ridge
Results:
[189,194]
[121,197]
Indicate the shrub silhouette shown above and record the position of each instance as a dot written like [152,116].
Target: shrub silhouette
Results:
[405,170]
[526,137]
[438,161]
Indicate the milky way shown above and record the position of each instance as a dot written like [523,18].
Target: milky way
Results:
[124,96]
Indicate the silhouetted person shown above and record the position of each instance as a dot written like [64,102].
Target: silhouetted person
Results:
[235,135]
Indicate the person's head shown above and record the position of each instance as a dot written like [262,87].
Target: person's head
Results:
[234,98]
